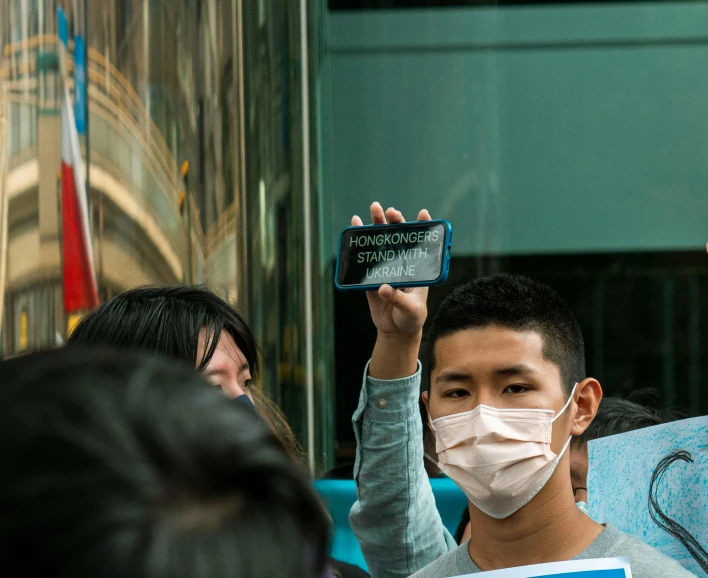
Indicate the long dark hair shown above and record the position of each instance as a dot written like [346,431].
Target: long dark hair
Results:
[168,321]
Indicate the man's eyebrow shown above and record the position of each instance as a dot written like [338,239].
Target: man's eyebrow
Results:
[514,370]
[510,371]
[453,375]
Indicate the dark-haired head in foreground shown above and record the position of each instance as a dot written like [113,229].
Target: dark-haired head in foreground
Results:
[120,465]
[192,325]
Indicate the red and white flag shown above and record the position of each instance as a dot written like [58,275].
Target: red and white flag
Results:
[80,289]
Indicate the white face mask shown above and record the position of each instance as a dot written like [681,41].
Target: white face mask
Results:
[501,458]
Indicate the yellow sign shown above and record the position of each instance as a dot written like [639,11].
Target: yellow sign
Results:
[23,330]
[74,318]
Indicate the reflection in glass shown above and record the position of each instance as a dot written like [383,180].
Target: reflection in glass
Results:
[180,96]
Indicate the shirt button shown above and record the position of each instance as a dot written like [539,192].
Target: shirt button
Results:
[382,403]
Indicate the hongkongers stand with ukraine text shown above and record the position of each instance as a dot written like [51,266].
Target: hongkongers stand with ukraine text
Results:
[508,391]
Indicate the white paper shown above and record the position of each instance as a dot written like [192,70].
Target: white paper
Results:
[595,568]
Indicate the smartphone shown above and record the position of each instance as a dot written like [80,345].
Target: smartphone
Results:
[404,255]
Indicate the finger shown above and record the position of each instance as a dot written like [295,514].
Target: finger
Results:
[394,216]
[357,222]
[424,215]
[377,214]
[406,303]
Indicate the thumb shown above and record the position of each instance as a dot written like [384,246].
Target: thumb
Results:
[404,302]
[386,292]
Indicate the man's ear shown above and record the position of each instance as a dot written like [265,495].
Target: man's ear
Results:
[588,394]
[425,396]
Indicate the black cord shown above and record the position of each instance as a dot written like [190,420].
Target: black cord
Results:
[667,524]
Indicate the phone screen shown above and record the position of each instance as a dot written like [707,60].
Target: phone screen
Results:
[410,254]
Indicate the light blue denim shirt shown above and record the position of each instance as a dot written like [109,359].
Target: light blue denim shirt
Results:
[395,518]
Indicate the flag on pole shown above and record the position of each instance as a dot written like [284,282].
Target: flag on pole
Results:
[80,289]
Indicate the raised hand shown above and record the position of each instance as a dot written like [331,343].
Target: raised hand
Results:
[399,314]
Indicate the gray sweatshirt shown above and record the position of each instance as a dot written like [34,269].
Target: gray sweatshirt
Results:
[645,561]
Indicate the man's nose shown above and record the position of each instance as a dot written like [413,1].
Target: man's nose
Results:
[486,398]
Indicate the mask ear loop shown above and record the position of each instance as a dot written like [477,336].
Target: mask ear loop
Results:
[560,413]
[430,458]
[565,447]
[567,403]
[432,425]
[425,455]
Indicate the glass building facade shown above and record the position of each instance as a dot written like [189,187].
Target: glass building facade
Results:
[563,140]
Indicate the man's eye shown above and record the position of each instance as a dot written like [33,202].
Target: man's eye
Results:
[516,389]
[457,393]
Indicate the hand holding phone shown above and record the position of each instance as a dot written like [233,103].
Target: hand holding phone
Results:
[401,255]
[399,314]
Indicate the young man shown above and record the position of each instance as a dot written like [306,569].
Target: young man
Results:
[507,393]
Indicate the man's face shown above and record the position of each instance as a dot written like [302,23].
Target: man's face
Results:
[498,367]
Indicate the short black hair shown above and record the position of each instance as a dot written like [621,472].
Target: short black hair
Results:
[616,415]
[519,303]
[167,321]
[121,465]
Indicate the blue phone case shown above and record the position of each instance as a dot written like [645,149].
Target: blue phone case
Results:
[445,269]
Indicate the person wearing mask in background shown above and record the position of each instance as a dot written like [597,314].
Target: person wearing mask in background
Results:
[507,393]
[119,464]
[194,326]
[614,416]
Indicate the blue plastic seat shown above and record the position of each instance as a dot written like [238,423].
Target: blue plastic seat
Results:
[339,497]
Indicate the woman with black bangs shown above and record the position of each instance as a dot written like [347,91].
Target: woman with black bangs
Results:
[195,326]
